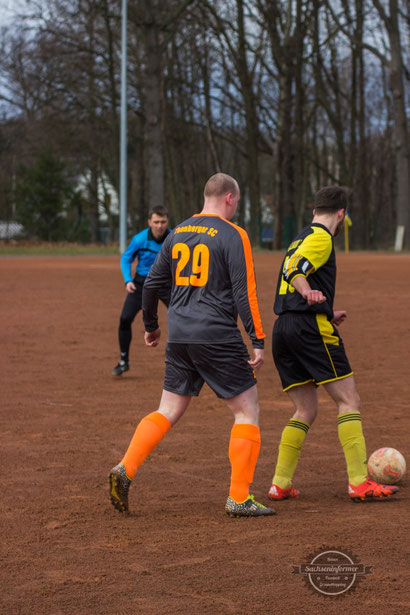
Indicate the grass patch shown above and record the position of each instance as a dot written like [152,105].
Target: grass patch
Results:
[29,248]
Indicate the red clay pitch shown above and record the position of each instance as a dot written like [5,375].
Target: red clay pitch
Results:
[66,421]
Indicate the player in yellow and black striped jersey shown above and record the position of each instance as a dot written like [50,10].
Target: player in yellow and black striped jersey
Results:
[311,255]
[308,350]
[209,262]
[307,328]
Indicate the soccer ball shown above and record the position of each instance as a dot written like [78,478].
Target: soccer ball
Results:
[386,465]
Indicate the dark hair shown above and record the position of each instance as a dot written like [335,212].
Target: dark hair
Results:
[219,185]
[159,210]
[330,199]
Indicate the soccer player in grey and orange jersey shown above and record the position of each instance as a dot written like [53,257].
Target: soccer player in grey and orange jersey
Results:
[209,261]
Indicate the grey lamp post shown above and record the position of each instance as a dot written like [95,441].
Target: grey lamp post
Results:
[123,133]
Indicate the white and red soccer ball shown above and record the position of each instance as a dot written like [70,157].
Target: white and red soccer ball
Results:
[386,465]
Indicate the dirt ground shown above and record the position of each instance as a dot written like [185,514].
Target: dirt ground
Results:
[66,421]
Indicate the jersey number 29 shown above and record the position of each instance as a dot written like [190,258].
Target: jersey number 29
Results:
[199,264]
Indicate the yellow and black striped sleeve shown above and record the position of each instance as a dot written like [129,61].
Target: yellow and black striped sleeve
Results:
[311,253]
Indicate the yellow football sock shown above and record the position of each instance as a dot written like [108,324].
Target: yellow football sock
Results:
[354,446]
[289,450]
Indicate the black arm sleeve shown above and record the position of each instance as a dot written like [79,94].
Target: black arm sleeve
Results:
[160,275]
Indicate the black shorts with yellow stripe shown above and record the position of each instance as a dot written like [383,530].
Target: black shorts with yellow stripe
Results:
[308,348]
[224,367]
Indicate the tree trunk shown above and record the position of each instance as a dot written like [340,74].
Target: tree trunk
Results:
[400,131]
[153,109]
[252,132]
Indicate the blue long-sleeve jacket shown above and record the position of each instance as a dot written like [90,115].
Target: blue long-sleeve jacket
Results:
[145,248]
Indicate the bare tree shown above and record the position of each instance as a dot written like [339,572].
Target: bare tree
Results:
[286,96]
[401,143]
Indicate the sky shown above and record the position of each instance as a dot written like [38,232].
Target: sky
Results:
[8,8]
[5,10]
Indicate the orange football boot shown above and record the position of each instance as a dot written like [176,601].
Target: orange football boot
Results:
[370,490]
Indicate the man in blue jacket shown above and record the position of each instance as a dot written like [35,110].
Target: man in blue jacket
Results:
[144,246]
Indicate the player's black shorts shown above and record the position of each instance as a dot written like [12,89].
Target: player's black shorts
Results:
[308,348]
[224,367]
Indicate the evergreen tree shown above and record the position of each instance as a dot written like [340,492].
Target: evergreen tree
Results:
[42,191]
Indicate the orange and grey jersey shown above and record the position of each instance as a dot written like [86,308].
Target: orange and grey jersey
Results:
[311,255]
[209,260]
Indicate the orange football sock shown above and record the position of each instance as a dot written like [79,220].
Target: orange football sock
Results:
[244,448]
[150,431]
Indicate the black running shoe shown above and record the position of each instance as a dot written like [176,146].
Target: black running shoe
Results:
[249,508]
[120,368]
[119,487]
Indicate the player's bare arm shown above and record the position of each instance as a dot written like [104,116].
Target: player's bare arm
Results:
[152,337]
[338,317]
[301,284]
[258,358]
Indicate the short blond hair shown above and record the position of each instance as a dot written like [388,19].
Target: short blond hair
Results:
[219,185]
